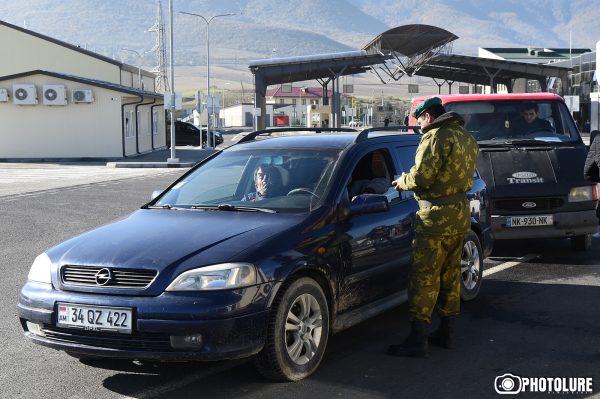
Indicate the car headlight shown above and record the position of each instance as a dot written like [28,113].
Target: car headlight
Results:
[216,277]
[40,269]
[585,193]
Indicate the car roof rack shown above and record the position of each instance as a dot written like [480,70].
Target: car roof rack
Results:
[252,135]
[364,134]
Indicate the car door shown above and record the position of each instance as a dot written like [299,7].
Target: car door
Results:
[376,245]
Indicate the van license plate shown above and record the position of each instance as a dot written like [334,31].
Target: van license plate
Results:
[94,318]
[526,221]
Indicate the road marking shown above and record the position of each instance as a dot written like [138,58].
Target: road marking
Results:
[508,265]
[161,390]
[13,191]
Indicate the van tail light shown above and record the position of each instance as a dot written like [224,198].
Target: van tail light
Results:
[595,192]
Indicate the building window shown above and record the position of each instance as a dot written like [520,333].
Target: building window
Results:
[294,101]
[314,102]
[281,101]
[304,101]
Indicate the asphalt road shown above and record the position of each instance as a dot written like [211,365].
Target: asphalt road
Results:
[537,316]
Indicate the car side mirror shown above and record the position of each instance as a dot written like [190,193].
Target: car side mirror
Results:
[369,203]
[155,194]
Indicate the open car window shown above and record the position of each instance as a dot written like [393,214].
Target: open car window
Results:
[504,121]
[284,180]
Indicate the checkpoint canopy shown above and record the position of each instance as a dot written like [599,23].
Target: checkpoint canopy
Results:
[421,50]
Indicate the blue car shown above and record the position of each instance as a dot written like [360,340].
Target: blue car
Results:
[266,248]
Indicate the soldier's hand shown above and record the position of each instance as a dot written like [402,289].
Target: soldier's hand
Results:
[395,184]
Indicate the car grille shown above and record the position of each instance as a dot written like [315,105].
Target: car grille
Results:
[137,342]
[516,204]
[120,278]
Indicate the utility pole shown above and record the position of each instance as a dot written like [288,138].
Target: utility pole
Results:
[160,51]
[209,137]
[172,105]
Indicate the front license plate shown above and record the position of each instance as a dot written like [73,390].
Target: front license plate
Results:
[526,221]
[94,318]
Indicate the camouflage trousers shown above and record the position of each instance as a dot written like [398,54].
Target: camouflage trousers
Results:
[435,276]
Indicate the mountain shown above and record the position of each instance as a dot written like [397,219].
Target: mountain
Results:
[266,28]
[507,23]
[282,28]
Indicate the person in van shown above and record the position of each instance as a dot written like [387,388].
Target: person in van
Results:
[530,120]
[377,181]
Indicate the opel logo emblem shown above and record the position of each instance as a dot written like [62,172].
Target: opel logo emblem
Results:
[103,276]
[528,205]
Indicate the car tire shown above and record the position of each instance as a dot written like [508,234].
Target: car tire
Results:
[297,332]
[581,243]
[471,267]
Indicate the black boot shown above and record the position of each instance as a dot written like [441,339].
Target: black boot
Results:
[444,336]
[416,344]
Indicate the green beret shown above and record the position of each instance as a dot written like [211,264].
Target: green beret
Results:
[426,105]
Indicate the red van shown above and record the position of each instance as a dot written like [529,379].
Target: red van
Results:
[531,158]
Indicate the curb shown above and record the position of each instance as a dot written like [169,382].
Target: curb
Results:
[150,164]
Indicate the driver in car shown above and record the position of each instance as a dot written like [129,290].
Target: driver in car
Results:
[530,121]
[267,183]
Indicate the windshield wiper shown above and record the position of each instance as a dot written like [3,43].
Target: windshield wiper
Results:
[164,206]
[229,207]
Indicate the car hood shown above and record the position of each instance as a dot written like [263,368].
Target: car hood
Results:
[534,171]
[171,239]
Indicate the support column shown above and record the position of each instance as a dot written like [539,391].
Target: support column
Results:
[260,101]
[439,85]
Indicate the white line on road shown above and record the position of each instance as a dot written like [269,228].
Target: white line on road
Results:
[508,265]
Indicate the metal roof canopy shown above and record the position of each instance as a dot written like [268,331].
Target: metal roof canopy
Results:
[324,68]
[409,47]
[489,72]
[421,50]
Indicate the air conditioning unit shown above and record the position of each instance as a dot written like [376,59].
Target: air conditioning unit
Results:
[82,96]
[24,94]
[54,95]
[313,106]
[3,95]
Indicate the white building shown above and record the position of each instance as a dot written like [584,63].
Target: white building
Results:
[58,101]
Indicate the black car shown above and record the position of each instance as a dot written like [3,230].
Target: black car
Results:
[189,134]
[533,170]
[210,269]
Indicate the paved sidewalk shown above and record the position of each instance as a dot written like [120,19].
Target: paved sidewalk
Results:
[188,157]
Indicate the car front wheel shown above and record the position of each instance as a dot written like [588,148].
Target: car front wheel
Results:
[297,333]
[581,243]
[471,267]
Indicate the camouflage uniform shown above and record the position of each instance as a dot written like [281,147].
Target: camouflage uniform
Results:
[444,167]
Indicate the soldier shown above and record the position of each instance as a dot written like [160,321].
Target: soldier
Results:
[444,165]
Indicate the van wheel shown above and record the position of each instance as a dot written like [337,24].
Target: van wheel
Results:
[297,333]
[471,267]
[581,243]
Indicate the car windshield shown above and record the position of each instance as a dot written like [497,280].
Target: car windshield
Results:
[517,121]
[281,180]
